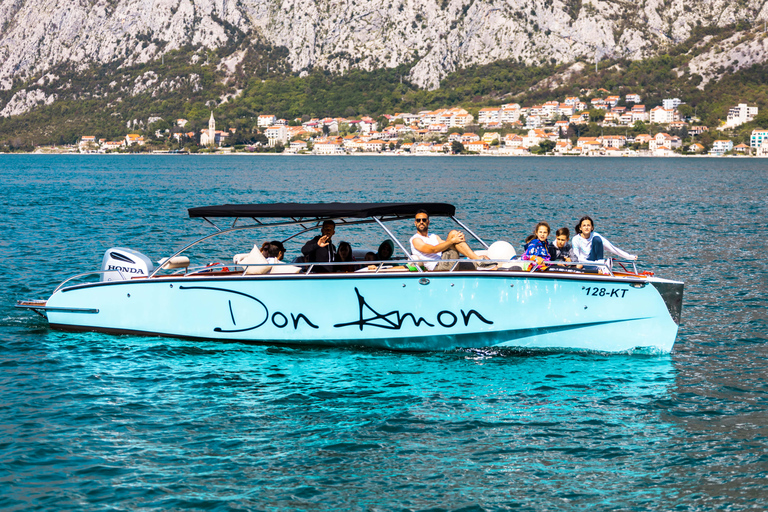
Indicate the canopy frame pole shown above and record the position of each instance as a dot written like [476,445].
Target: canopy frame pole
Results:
[457,221]
[395,239]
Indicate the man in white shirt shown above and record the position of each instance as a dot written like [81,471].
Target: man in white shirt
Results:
[431,247]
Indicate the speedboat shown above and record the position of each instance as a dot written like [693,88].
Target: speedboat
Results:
[393,304]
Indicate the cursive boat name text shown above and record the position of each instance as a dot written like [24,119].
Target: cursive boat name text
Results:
[369,317]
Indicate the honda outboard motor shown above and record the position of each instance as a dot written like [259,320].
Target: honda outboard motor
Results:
[125,264]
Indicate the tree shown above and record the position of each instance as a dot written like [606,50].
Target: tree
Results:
[457,147]
[547,146]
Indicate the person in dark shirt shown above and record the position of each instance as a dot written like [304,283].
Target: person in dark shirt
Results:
[562,249]
[321,249]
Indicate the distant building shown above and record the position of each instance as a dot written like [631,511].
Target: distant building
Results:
[87,143]
[757,138]
[212,137]
[633,98]
[721,146]
[266,120]
[277,134]
[739,115]
[134,138]
[671,103]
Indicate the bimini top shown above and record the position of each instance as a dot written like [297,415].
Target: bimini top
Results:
[323,210]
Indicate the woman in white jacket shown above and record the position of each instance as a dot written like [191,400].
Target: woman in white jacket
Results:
[588,245]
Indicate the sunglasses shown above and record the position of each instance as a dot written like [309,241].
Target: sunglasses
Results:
[422,220]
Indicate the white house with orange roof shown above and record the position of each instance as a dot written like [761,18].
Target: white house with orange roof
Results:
[328,146]
[611,119]
[87,143]
[535,136]
[134,138]
[643,138]
[625,119]
[296,131]
[533,121]
[298,145]
[513,140]
[550,109]
[639,114]
[113,145]
[277,134]
[437,128]
[367,124]
[614,141]
[460,118]
[612,101]
[476,147]
[561,125]
[469,137]
[509,113]
[719,147]
[582,118]
[488,114]
[661,115]
[664,141]
[375,145]
[571,100]
[265,120]
[741,148]
[566,110]
[589,144]
[563,146]
[695,148]
[490,137]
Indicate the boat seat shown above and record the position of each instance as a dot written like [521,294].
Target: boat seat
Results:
[285,269]
[175,262]
[253,258]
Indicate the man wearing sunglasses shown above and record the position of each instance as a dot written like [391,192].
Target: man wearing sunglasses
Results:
[433,248]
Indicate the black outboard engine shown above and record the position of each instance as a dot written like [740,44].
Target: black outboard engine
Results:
[125,264]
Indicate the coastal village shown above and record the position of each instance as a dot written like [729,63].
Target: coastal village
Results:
[550,128]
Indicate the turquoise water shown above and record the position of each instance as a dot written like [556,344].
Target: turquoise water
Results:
[96,422]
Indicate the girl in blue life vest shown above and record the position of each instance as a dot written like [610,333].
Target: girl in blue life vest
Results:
[537,250]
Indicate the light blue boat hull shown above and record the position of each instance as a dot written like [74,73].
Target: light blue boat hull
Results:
[401,311]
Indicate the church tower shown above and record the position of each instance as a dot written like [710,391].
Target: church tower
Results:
[212,130]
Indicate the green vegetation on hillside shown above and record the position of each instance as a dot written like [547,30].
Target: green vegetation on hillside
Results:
[189,82]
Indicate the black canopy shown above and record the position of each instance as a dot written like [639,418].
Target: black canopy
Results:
[322,210]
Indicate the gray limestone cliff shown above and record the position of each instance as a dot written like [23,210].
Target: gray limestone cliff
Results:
[439,36]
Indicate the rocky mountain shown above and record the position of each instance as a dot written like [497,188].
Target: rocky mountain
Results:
[40,38]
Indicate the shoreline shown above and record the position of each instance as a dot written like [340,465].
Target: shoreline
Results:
[387,154]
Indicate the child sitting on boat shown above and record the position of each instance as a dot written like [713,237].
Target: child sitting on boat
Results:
[562,249]
[588,245]
[538,248]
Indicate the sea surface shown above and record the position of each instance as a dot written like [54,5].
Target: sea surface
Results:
[97,422]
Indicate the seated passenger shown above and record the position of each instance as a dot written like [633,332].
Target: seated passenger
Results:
[563,250]
[320,248]
[344,254]
[265,249]
[276,252]
[386,250]
[588,245]
[537,250]
[430,247]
